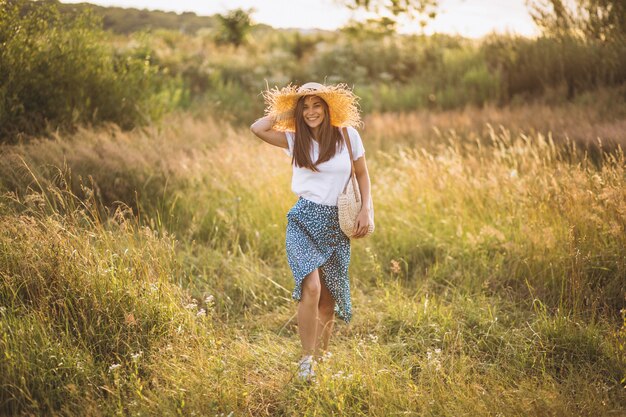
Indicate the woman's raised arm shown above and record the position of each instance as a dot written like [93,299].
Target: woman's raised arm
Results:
[263,129]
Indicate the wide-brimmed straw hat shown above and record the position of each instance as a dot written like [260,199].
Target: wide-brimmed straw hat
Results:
[342,104]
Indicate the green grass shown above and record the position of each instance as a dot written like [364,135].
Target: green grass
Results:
[146,275]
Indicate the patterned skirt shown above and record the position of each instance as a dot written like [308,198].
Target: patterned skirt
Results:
[314,240]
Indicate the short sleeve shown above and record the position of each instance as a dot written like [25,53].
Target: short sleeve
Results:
[290,140]
[357,144]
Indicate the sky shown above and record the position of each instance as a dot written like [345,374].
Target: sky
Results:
[470,18]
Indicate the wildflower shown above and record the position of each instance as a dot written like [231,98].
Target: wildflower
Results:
[395,267]
[433,360]
[338,375]
[114,367]
[209,299]
[342,375]
[201,313]
[136,356]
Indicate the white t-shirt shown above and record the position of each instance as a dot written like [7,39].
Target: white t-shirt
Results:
[325,185]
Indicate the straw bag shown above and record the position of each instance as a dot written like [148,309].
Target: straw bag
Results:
[349,201]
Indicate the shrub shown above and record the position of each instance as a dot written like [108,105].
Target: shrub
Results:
[56,72]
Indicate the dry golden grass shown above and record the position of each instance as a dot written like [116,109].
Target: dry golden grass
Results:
[492,285]
[582,124]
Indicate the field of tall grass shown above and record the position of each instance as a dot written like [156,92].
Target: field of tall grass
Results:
[144,273]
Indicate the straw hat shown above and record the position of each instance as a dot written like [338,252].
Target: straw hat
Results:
[342,104]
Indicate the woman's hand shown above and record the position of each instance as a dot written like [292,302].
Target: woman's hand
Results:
[363,178]
[263,129]
[362,222]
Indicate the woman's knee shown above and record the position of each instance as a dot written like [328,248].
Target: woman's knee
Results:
[311,286]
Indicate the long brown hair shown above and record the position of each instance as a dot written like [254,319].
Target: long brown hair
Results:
[329,139]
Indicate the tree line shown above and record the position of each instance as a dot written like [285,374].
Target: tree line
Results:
[62,65]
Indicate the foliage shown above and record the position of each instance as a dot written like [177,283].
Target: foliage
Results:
[588,37]
[531,67]
[234,26]
[58,72]
[392,72]
[133,79]
[602,20]
[129,20]
[425,10]
[370,28]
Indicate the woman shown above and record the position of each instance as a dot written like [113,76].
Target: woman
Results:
[306,123]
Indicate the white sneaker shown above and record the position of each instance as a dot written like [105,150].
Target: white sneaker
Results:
[305,368]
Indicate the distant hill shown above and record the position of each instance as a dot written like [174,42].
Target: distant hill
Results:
[121,20]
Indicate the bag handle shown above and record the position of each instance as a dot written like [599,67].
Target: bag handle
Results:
[346,139]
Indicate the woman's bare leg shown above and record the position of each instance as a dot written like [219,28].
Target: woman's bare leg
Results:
[308,312]
[326,319]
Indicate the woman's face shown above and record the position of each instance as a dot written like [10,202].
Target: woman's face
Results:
[313,111]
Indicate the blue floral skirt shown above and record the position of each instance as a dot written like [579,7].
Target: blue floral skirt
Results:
[314,240]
